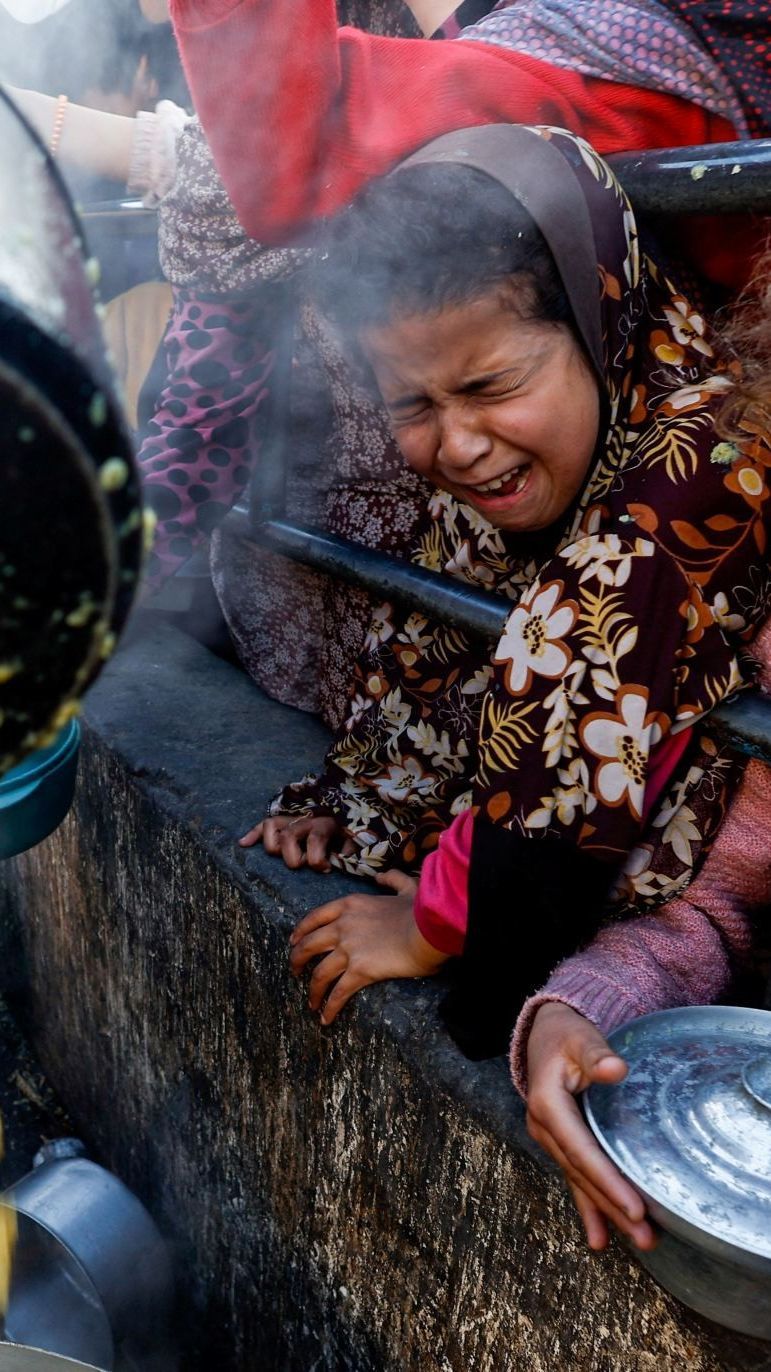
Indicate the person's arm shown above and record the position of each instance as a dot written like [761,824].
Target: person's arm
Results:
[431,14]
[140,151]
[686,954]
[300,114]
[687,951]
[93,140]
[200,445]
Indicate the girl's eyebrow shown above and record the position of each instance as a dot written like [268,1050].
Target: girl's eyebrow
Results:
[479,382]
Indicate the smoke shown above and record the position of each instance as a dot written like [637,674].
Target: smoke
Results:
[90,51]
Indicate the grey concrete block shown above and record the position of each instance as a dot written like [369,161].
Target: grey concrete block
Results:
[358,1199]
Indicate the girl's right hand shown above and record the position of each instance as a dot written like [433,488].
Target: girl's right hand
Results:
[301,841]
[565,1054]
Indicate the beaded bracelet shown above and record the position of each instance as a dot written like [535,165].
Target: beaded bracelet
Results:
[56,132]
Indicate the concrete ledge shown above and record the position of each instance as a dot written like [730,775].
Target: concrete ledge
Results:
[360,1199]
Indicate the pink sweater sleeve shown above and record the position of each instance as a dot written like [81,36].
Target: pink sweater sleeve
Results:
[688,952]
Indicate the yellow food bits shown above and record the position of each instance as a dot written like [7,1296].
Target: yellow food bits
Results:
[114,474]
[97,410]
[80,616]
[69,710]
[149,525]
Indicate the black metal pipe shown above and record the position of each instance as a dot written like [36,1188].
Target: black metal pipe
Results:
[120,218]
[441,596]
[268,486]
[715,178]
[744,724]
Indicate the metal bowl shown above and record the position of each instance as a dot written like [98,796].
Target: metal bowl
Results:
[690,1128]
[14,1358]
[36,795]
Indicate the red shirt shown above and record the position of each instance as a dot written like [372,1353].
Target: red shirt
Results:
[301,114]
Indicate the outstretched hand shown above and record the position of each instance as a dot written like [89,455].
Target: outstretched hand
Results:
[361,939]
[304,841]
[565,1054]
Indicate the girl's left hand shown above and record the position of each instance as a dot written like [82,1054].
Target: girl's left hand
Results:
[362,939]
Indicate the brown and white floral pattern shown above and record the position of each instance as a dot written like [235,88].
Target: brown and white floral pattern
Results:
[631,622]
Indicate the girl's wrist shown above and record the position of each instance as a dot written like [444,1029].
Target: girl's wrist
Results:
[424,952]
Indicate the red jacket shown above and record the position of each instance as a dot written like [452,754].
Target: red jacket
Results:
[300,114]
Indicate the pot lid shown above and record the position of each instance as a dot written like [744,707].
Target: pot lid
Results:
[690,1126]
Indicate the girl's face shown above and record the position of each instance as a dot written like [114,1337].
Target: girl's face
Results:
[500,411]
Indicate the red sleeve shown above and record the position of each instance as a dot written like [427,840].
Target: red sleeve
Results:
[441,903]
[300,114]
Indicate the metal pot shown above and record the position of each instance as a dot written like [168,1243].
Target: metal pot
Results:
[70,516]
[92,1276]
[14,1358]
[690,1128]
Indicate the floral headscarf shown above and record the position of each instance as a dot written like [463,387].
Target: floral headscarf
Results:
[629,622]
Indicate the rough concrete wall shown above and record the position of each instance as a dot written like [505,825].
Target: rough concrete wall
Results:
[355,1200]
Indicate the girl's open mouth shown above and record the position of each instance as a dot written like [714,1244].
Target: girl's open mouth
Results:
[504,488]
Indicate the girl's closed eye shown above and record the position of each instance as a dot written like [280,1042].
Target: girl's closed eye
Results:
[412,412]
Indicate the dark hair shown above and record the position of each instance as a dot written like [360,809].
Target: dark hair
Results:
[430,236]
[745,337]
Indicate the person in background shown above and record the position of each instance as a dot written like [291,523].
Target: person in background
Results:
[296,632]
[110,55]
[626,75]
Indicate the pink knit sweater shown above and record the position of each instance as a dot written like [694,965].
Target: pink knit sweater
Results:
[688,952]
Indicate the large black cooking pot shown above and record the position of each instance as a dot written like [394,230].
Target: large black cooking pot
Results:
[70,518]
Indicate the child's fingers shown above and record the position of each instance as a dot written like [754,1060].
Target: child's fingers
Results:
[252,836]
[292,843]
[272,830]
[637,1229]
[317,847]
[323,914]
[397,881]
[322,940]
[558,1116]
[593,1220]
[328,970]
[349,983]
[599,1063]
